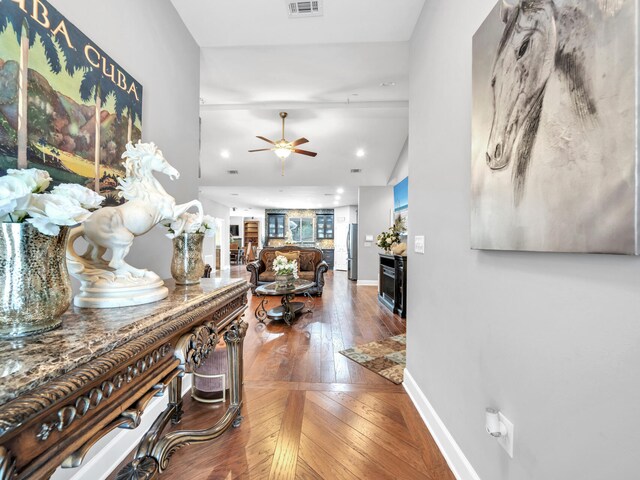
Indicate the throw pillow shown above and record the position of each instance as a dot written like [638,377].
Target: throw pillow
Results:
[268,258]
[306,262]
[293,255]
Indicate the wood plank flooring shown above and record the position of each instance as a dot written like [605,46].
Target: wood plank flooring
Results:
[311,413]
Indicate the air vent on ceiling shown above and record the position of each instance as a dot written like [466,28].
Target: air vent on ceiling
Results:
[356,170]
[233,172]
[302,9]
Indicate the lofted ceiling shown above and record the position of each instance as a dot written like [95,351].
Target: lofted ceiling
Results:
[305,73]
[342,77]
[336,134]
[243,198]
[225,23]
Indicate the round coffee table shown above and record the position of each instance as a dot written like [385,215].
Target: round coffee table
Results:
[287,309]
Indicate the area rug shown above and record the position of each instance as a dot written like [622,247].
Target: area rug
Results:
[387,358]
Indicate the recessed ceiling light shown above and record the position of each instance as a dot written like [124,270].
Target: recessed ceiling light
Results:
[225,153]
[360,153]
[388,84]
[337,197]
[340,190]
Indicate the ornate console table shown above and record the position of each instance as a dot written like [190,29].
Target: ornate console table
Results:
[62,391]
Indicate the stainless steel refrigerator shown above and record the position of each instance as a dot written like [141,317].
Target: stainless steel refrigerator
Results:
[352,252]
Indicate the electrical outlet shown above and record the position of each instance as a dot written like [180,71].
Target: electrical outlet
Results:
[506,441]
[418,244]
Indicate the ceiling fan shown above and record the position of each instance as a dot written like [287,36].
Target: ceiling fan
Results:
[282,148]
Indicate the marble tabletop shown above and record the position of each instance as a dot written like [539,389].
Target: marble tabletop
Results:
[87,333]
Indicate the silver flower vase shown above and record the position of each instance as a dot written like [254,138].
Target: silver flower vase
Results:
[187,266]
[283,282]
[35,289]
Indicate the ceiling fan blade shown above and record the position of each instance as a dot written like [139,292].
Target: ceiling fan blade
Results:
[260,150]
[266,140]
[305,152]
[299,141]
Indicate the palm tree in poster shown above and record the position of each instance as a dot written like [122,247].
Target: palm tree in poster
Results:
[124,101]
[26,37]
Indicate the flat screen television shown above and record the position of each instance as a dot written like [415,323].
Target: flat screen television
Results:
[234,230]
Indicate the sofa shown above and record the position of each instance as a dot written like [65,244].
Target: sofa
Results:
[311,267]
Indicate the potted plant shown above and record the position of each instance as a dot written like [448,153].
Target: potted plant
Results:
[388,239]
[286,272]
[188,233]
[35,289]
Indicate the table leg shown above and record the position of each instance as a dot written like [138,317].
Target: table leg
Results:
[261,311]
[175,399]
[234,339]
[288,314]
[155,451]
[310,302]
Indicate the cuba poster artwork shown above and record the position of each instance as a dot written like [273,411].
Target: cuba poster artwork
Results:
[65,105]
[554,149]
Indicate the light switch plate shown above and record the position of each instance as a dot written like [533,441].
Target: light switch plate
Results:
[418,244]
[506,441]
[368,238]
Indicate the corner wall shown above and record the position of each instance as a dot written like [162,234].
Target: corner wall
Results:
[553,340]
[375,208]
[148,39]
[221,212]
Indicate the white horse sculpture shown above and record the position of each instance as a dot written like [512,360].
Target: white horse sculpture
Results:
[114,229]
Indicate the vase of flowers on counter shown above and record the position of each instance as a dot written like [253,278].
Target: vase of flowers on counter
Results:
[286,272]
[35,289]
[388,239]
[187,265]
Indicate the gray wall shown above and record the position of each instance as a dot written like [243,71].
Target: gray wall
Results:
[375,206]
[401,170]
[148,39]
[551,339]
[221,212]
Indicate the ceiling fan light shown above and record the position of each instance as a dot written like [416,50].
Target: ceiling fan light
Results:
[282,153]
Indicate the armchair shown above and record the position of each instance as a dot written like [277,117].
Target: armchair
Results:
[312,267]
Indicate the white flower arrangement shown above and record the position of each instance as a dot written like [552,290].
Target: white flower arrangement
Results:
[388,238]
[188,223]
[22,199]
[282,266]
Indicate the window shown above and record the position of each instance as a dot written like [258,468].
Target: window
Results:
[275,225]
[301,229]
[324,227]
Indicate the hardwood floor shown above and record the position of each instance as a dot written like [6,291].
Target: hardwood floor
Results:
[310,413]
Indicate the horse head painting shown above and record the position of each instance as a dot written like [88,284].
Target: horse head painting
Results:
[115,228]
[554,138]
[538,41]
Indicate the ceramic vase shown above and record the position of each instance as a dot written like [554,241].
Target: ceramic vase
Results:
[35,288]
[284,282]
[187,266]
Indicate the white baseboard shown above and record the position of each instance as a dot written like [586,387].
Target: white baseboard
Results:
[367,283]
[114,447]
[460,466]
